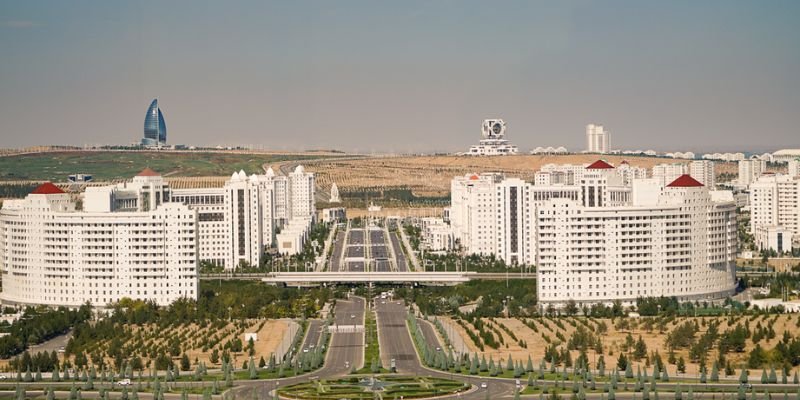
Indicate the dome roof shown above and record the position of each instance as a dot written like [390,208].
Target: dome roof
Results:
[299,169]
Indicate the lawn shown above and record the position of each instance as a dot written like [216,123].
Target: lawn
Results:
[108,165]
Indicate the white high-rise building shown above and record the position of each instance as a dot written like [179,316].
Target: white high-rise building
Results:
[666,173]
[703,172]
[794,167]
[238,223]
[53,254]
[750,170]
[596,139]
[775,204]
[602,238]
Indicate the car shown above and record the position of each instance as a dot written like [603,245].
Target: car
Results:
[484,385]
[746,385]
[3,377]
[352,315]
[305,350]
[438,348]
[124,382]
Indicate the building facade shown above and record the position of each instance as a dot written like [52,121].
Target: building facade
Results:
[54,255]
[750,170]
[596,139]
[775,204]
[597,238]
[155,129]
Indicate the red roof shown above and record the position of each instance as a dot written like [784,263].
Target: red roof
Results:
[600,164]
[474,177]
[47,188]
[148,172]
[624,162]
[685,181]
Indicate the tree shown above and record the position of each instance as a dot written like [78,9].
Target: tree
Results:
[185,363]
[215,356]
[622,362]
[715,372]
[681,365]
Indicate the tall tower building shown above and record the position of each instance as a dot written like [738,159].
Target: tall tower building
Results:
[155,130]
[596,139]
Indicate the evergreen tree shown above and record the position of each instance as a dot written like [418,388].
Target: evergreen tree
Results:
[743,376]
[715,372]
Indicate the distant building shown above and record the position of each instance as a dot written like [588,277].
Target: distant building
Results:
[794,167]
[80,178]
[785,155]
[493,142]
[335,215]
[775,207]
[596,139]
[750,170]
[703,172]
[155,129]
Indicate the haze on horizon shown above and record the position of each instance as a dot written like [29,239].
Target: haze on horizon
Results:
[403,76]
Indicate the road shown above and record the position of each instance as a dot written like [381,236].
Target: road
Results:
[402,265]
[346,350]
[338,249]
[430,335]
[312,337]
[396,344]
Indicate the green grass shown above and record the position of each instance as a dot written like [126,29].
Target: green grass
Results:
[394,387]
[124,165]
[373,350]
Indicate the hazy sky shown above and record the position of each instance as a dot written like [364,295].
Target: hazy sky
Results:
[403,76]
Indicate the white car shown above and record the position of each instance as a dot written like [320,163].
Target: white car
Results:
[484,385]
[124,382]
[305,350]
[3,377]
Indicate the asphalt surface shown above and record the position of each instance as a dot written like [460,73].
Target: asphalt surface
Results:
[346,349]
[428,331]
[338,249]
[402,264]
[396,344]
[313,334]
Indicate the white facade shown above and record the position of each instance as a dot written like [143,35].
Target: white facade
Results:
[238,223]
[794,167]
[596,139]
[600,238]
[667,173]
[750,170]
[437,236]
[54,255]
[703,172]
[775,238]
[775,202]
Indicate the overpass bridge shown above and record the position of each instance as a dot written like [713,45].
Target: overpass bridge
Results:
[311,278]
[401,277]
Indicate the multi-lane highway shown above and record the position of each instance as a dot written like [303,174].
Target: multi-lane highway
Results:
[346,350]
[396,344]
[402,264]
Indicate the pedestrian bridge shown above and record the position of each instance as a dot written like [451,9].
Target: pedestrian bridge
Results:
[369,277]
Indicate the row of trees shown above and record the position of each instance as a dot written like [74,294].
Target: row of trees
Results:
[37,325]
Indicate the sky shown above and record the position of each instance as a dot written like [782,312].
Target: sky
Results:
[405,76]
